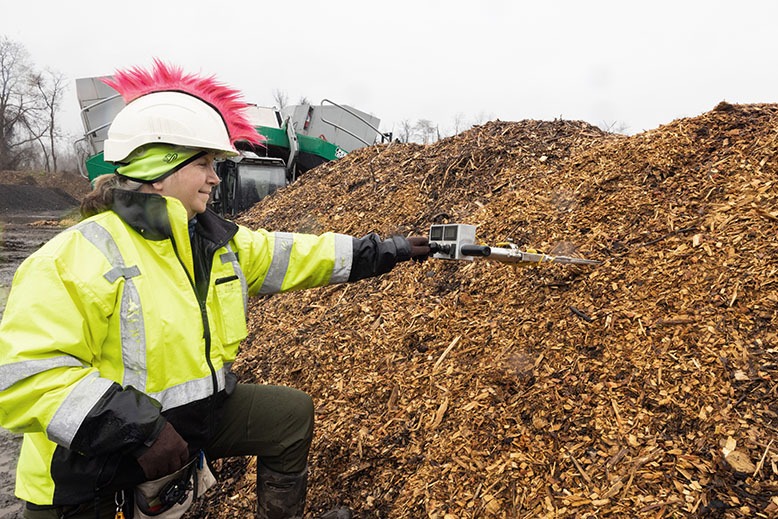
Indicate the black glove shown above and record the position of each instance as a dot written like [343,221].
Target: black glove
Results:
[167,454]
[420,247]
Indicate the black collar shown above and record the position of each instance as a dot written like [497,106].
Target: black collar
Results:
[147,214]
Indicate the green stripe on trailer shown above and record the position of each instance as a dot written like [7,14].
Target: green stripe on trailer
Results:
[322,148]
[274,136]
[278,137]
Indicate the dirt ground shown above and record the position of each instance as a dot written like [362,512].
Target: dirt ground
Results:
[21,235]
[33,208]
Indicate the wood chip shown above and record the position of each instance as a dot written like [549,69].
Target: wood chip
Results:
[479,390]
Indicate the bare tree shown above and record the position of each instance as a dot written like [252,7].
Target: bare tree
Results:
[459,122]
[13,98]
[20,107]
[280,97]
[614,127]
[406,131]
[426,130]
[71,159]
[36,126]
[50,87]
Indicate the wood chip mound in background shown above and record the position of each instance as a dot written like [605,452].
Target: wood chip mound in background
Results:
[643,387]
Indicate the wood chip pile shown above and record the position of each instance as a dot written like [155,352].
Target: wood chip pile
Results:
[643,387]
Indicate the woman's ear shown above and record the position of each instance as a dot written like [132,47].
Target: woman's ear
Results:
[157,187]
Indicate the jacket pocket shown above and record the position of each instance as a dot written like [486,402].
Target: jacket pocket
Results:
[232,312]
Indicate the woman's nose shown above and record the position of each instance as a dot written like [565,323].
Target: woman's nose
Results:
[213,178]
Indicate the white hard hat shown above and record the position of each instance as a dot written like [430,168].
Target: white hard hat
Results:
[167,117]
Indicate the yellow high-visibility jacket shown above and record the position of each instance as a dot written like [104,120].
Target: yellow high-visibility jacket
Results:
[123,322]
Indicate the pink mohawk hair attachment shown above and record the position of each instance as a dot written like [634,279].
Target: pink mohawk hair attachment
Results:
[135,82]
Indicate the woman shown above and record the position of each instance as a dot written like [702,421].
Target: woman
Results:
[118,335]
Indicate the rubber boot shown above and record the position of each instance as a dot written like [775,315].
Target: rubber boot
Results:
[280,496]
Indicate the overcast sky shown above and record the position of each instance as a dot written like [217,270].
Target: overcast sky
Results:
[617,64]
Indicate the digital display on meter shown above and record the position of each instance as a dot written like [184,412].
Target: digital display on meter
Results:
[451,237]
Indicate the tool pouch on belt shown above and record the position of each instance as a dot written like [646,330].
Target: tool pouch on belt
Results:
[171,496]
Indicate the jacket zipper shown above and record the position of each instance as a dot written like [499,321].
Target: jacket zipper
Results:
[204,317]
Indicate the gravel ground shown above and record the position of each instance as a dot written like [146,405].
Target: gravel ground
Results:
[21,235]
[30,214]
[10,507]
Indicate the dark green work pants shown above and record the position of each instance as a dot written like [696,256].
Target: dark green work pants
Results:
[274,423]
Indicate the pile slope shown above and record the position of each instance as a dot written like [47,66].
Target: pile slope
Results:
[643,387]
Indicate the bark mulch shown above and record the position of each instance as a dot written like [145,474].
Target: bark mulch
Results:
[643,387]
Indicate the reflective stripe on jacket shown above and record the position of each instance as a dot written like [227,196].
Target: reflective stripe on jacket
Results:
[116,325]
